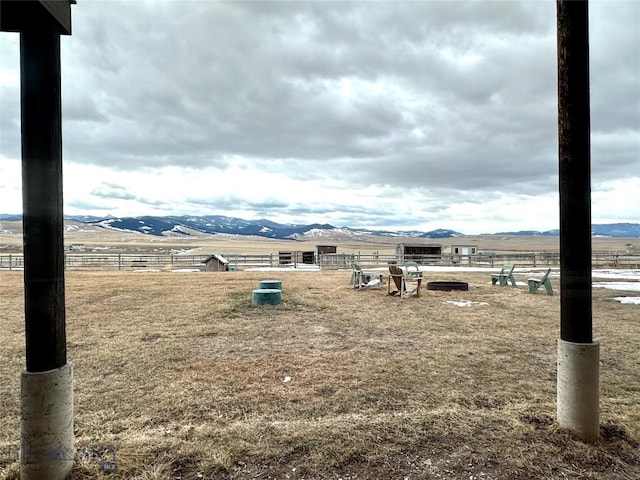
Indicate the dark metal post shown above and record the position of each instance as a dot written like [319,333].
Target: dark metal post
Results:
[574,171]
[42,196]
[578,379]
[46,385]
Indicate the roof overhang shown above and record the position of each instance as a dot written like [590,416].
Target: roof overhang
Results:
[20,15]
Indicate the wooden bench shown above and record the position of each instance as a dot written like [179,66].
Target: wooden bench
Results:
[504,276]
[534,284]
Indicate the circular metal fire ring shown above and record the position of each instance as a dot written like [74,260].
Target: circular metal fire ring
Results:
[448,285]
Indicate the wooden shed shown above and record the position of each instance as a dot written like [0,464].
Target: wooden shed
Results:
[322,249]
[463,252]
[216,263]
[417,252]
[294,258]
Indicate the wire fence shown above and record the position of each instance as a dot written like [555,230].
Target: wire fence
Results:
[121,261]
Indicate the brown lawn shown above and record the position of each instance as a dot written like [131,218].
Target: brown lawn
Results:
[179,376]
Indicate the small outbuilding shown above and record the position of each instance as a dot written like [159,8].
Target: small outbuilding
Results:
[294,258]
[323,249]
[417,252]
[462,253]
[216,263]
[464,250]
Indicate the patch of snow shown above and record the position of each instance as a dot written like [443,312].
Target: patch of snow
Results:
[631,300]
[316,232]
[617,274]
[299,268]
[621,274]
[464,303]
[107,224]
[629,286]
[183,270]
[184,251]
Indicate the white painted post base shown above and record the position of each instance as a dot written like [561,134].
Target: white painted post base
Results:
[578,407]
[47,449]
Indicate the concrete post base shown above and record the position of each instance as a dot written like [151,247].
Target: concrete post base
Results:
[578,407]
[47,424]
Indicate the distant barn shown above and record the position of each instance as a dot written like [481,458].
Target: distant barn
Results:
[323,249]
[417,252]
[216,263]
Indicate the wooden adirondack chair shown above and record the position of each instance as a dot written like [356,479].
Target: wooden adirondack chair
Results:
[412,270]
[534,284]
[365,279]
[504,275]
[398,277]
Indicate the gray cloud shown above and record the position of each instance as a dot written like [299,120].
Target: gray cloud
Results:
[451,97]
[110,190]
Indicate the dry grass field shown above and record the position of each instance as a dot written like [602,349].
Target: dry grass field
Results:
[179,376]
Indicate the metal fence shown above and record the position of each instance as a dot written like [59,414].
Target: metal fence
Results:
[142,261]
[532,259]
[326,261]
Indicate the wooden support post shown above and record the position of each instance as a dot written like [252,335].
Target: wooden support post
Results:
[574,171]
[42,197]
[578,356]
[46,386]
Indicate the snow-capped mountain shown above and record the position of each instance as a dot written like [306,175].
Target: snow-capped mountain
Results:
[216,224]
[207,224]
[219,224]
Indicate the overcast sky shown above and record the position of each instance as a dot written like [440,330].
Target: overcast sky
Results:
[403,115]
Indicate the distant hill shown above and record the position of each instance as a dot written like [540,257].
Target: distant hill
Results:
[208,224]
[219,224]
[618,230]
[214,224]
